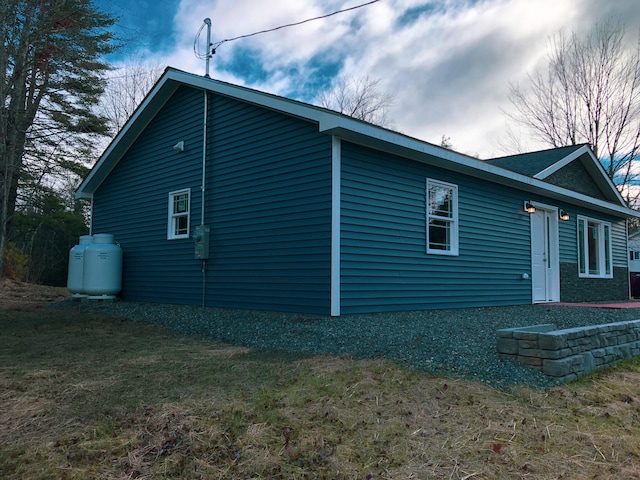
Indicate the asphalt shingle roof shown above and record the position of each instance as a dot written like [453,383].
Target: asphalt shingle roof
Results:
[533,163]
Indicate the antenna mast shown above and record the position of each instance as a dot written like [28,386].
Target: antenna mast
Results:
[207,21]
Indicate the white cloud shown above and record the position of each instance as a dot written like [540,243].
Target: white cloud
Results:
[450,67]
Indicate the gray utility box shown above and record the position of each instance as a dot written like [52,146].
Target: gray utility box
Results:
[201,237]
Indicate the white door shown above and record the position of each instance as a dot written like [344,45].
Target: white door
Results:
[545,265]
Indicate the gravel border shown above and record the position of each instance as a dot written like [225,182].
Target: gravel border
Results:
[459,343]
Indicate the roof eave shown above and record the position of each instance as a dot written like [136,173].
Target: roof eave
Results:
[335,124]
[408,147]
[141,117]
[159,95]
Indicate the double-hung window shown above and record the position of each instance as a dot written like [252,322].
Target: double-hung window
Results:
[179,208]
[442,218]
[594,248]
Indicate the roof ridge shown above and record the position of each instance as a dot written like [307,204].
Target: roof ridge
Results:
[537,152]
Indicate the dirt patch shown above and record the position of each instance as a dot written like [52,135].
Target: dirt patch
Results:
[15,294]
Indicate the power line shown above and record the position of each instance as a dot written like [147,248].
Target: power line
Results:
[217,44]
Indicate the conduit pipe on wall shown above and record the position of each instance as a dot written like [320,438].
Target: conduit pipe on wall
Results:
[204,154]
[203,187]
[91,216]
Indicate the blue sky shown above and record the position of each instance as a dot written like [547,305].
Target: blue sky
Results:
[449,62]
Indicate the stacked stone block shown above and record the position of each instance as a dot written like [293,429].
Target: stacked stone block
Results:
[570,353]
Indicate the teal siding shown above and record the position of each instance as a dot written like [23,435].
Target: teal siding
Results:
[132,204]
[569,236]
[383,232]
[268,204]
[269,209]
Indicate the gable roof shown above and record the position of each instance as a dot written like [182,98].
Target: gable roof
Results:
[533,163]
[348,128]
[544,163]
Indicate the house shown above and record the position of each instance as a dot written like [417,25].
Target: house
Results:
[634,253]
[634,263]
[224,196]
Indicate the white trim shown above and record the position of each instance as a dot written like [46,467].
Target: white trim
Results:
[552,280]
[603,252]
[551,169]
[126,135]
[418,150]
[453,220]
[335,124]
[171,235]
[594,163]
[336,154]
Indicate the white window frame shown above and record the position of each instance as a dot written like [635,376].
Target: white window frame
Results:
[452,220]
[604,252]
[175,216]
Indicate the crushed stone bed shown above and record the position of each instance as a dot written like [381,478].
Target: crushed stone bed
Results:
[459,343]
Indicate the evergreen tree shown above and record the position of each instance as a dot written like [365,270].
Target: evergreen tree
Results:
[51,77]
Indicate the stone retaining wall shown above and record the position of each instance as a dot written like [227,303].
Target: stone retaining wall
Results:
[573,352]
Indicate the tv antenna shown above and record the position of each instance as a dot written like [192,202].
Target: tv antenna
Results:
[211,48]
[208,53]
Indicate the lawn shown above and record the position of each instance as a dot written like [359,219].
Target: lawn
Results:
[85,395]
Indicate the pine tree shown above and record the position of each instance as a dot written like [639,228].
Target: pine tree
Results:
[51,77]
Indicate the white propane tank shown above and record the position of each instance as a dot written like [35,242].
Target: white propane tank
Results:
[76,267]
[102,273]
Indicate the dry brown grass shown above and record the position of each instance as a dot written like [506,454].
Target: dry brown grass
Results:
[87,396]
[19,295]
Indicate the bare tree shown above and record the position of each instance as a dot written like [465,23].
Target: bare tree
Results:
[360,98]
[126,88]
[446,142]
[590,93]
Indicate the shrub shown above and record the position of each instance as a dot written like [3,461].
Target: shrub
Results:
[16,263]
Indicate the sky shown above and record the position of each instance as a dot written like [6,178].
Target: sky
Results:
[449,63]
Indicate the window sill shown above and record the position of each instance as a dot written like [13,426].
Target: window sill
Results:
[595,276]
[442,253]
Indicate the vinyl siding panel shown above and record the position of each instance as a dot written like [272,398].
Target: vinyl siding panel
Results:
[383,232]
[267,202]
[269,209]
[132,203]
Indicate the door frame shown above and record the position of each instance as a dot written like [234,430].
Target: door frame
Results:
[552,246]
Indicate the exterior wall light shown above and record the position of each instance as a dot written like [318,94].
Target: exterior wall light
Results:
[529,208]
[564,216]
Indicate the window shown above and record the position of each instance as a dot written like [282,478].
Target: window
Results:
[594,248]
[179,203]
[442,218]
